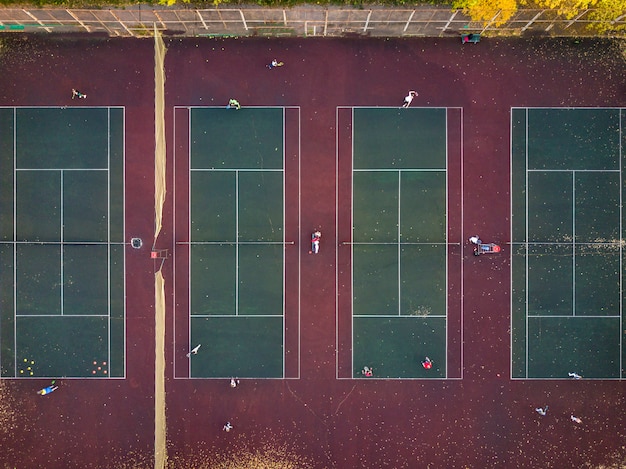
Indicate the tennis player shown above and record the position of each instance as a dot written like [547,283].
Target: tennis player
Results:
[315,241]
[194,350]
[47,390]
[408,99]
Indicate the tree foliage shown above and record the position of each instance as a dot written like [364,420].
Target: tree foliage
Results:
[498,12]
[567,8]
[487,11]
[607,11]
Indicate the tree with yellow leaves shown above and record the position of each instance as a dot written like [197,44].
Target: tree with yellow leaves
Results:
[567,8]
[496,12]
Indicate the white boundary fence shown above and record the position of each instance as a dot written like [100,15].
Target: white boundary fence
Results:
[297,21]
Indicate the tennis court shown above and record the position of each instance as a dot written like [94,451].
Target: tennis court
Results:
[568,242]
[238,174]
[399,171]
[62,250]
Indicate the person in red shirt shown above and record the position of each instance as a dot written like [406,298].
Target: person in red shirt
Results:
[315,242]
[427,363]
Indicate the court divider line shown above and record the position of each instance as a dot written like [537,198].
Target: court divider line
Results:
[61,315]
[447,311]
[299,241]
[124,324]
[399,247]
[283,250]
[82,170]
[61,250]
[573,243]
[621,250]
[14,245]
[462,222]
[337,239]
[189,253]
[569,316]
[109,241]
[526,260]
[352,240]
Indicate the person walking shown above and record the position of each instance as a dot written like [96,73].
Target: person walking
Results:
[574,375]
[227,427]
[541,411]
[575,419]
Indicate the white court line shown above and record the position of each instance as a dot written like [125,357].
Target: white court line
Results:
[237,243]
[299,240]
[408,170]
[566,243]
[14,238]
[399,248]
[61,249]
[337,238]
[352,240]
[396,316]
[621,268]
[230,316]
[511,344]
[569,316]
[284,255]
[568,170]
[61,315]
[109,240]
[174,254]
[124,329]
[189,253]
[447,215]
[461,282]
[241,170]
[573,243]
[526,240]
[35,170]
[370,243]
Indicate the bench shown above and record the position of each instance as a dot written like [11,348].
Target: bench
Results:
[473,38]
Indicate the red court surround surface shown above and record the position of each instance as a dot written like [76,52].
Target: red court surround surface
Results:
[483,420]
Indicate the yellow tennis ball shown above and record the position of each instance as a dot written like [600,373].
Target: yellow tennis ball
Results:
[21,371]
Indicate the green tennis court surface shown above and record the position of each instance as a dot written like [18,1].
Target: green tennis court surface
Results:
[237,246]
[568,242]
[400,241]
[62,242]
